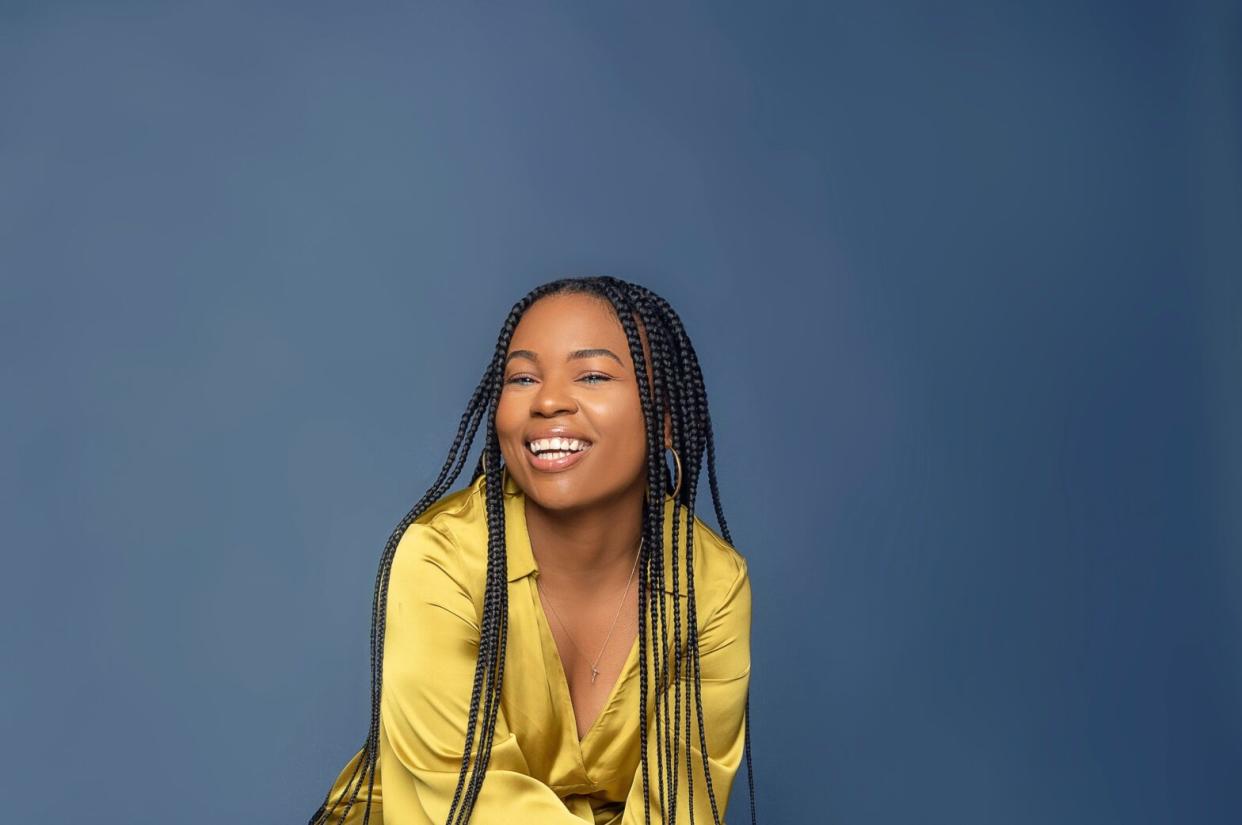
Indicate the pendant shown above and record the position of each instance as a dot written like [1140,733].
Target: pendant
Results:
[594,673]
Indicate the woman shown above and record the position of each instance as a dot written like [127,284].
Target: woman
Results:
[550,590]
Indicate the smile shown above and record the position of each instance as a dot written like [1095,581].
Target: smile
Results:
[555,455]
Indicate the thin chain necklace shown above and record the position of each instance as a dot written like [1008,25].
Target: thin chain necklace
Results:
[594,668]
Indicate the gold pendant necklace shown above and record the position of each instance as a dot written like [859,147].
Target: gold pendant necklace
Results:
[594,668]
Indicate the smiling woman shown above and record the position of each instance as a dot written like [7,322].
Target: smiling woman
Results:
[539,626]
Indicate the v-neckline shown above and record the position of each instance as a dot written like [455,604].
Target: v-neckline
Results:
[549,639]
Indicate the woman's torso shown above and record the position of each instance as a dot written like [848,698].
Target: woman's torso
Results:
[593,773]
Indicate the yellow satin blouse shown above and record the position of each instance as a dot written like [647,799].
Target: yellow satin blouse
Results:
[539,773]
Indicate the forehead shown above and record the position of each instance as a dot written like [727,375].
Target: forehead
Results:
[558,324]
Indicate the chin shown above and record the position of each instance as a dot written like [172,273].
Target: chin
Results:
[555,494]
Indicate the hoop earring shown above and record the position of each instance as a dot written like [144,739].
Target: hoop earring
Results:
[503,469]
[677,486]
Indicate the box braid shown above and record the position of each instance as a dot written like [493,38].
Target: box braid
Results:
[700,423]
[654,532]
[676,384]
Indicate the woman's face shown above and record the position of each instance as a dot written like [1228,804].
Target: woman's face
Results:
[569,375]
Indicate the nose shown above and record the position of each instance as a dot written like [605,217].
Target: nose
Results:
[553,396]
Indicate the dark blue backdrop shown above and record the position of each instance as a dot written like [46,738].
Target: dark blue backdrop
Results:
[963,278]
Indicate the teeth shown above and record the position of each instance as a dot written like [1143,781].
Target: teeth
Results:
[560,446]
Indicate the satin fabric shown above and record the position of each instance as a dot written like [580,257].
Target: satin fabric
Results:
[539,772]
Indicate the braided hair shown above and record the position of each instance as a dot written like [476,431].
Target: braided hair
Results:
[676,388]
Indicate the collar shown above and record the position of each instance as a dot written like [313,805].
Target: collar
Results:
[521,558]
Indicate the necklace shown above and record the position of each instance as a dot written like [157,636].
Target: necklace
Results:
[594,668]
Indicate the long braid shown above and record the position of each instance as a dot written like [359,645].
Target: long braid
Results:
[452,467]
[643,585]
[495,606]
[692,449]
[693,645]
[483,399]
[652,404]
[494,631]
[676,388]
[698,389]
[683,429]
[668,380]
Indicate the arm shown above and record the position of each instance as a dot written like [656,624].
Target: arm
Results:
[724,657]
[430,647]
[339,796]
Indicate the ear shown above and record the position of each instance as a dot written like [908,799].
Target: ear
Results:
[668,430]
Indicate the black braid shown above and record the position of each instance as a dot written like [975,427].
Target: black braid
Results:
[668,380]
[698,388]
[653,406]
[667,353]
[676,387]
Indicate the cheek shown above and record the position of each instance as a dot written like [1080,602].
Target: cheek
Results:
[509,420]
[624,428]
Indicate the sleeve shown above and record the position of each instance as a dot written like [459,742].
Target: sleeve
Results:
[724,658]
[430,647]
[339,795]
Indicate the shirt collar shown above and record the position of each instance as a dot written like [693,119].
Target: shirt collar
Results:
[521,559]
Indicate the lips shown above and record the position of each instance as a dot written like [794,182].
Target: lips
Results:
[555,465]
[554,432]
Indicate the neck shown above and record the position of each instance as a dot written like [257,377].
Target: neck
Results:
[586,552]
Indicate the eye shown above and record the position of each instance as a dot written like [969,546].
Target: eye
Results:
[519,379]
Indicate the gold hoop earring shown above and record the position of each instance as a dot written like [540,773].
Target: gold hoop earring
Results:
[503,468]
[677,486]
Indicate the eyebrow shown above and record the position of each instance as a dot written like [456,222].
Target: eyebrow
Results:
[576,354]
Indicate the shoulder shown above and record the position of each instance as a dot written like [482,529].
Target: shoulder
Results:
[721,577]
[723,609]
[437,538]
[451,535]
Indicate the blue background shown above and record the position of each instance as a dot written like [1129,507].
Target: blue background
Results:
[964,282]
